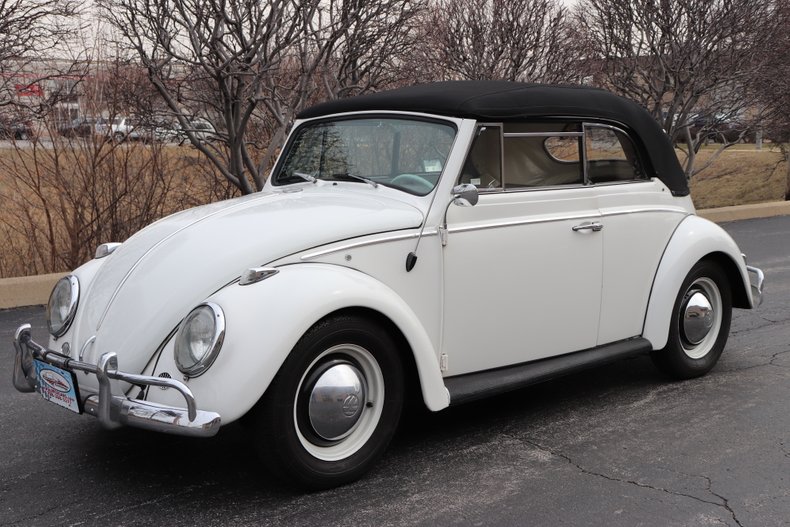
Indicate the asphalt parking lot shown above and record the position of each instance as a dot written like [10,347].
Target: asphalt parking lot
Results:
[617,445]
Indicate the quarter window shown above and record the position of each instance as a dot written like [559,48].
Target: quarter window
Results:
[610,155]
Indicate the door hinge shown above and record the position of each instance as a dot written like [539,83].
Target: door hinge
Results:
[443,362]
[443,235]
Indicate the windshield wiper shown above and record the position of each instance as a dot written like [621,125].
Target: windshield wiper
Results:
[356,177]
[307,177]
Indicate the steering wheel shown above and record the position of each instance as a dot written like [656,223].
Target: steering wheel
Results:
[412,182]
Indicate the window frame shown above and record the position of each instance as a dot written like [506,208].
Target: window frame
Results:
[583,125]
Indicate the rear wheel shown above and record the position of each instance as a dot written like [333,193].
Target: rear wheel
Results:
[333,407]
[700,323]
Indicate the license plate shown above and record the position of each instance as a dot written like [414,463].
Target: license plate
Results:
[57,386]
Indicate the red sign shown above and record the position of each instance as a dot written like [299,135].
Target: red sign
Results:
[29,90]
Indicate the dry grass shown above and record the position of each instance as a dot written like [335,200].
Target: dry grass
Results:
[739,176]
[54,209]
[60,202]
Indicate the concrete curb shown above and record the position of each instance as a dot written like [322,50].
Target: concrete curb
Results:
[27,290]
[34,290]
[746,212]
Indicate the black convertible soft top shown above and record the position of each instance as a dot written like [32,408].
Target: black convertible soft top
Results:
[507,101]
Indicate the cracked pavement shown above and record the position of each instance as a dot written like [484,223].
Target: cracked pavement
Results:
[617,445]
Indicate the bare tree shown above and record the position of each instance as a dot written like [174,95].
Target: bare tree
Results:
[689,62]
[209,59]
[29,31]
[517,40]
[772,85]
[347,47]
[249,67]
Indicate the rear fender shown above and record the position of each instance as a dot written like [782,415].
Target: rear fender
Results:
[694,239]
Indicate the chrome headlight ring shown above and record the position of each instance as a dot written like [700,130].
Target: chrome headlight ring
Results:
[199,339]
[62,305]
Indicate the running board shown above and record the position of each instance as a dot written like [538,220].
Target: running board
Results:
[474,386]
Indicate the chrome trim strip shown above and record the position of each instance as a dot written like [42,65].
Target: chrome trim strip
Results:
[113,410]
[543,134]
[563,218]
[678,210]
[516,223]
[355,245]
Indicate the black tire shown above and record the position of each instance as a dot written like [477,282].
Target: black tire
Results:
[684,357]
[286,438]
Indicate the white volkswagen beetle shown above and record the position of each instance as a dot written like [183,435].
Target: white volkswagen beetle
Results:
[458,239]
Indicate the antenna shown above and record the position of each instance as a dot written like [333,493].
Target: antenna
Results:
[464,195]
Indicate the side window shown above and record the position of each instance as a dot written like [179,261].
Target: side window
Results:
[611,155]
[542,155]
[483,167]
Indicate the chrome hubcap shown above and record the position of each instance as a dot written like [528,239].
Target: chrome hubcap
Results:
[698,317]
[337,401]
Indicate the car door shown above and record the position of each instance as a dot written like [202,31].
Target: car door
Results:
[523,267]
[638,216]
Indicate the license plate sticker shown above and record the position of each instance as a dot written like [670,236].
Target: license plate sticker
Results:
[57,386]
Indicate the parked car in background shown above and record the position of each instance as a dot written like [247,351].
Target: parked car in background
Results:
[720,129]
[15,128]
[121,128]
[443,242]
[201,129]
[79,127]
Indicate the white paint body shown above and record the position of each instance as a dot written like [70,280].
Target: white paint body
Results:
[514,283]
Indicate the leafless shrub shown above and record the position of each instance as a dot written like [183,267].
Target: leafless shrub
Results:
[63,198]
[516,40]
[689,62]
[254,65]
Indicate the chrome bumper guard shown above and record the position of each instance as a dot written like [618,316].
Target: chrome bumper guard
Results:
[116,410]
[756,279]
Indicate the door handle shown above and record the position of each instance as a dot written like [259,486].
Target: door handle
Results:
[588,226]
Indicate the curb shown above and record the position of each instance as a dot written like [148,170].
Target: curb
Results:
[746,212]
[34,290]
[27,290]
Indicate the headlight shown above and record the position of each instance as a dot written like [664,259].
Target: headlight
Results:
[199,339]
[62,305]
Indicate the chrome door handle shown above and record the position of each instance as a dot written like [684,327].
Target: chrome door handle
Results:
[588,226]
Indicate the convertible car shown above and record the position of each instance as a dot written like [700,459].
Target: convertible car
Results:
[444,242]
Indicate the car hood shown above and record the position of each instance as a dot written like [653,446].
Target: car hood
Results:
[144,288]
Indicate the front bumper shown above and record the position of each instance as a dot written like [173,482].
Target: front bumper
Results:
[756,280]
[116,410]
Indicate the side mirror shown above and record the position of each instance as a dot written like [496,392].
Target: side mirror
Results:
[465,195]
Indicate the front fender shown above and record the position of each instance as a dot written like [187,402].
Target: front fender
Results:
[694,239]
[265,320]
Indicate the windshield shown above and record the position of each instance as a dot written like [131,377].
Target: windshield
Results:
[406,154]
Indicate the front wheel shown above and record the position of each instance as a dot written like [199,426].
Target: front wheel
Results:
[333,407]
[700,323]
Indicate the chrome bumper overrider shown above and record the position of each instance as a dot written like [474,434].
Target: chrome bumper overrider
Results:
[756,279]
[116,410]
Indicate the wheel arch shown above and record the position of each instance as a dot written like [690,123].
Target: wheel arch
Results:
[265,321]
[695,239]
[405,352]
